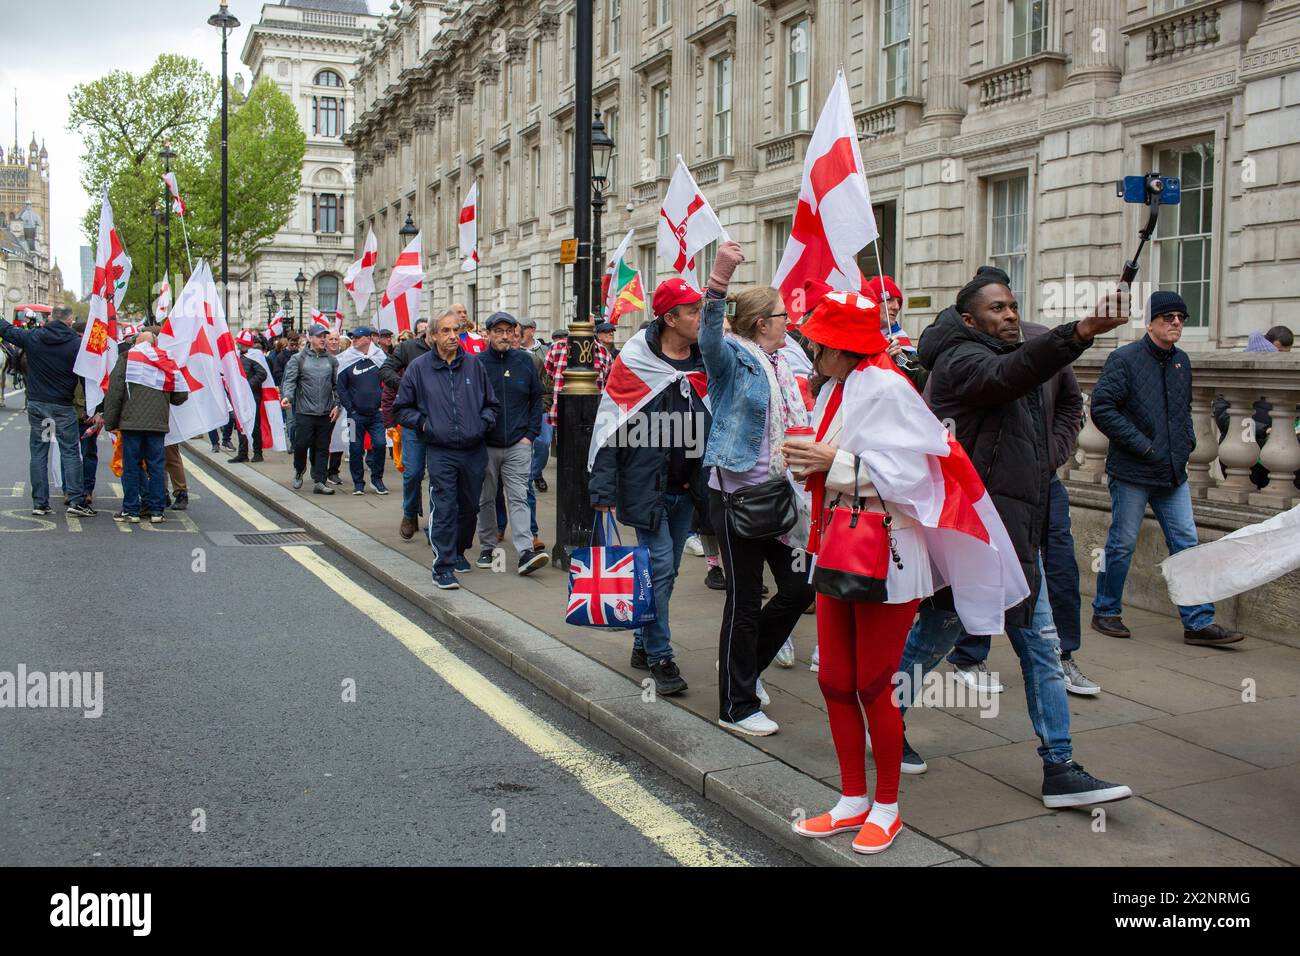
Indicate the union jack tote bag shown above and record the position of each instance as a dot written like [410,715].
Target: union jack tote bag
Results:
[610,586]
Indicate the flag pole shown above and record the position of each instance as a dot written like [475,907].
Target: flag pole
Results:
[885,325]
[185,232]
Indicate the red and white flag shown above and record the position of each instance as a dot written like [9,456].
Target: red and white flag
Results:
[270,418]
[687,223]
[399,307]
[833,220]
[333,321]
[162,306]
[178,204]
[98,352]
[359,280]
[154,368]
[185,337]
[637,376]
[238,390]
[276,325]
[400,314]
[469,230]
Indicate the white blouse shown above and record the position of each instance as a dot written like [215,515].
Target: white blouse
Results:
[915,579]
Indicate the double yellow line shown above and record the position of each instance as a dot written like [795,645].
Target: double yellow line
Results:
[603,778]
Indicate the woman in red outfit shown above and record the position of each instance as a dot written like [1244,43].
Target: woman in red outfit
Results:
[870,422]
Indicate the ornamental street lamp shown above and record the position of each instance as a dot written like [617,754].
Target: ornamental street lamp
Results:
[580,395]
[224,21]
[271,304]
[602,151]
[300,281]
[158,216]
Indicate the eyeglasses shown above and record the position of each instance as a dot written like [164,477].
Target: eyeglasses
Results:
[777,315]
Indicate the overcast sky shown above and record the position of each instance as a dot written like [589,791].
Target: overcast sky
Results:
[52,45]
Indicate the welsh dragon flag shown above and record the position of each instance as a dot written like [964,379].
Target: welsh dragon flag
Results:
[637,376]
[621,287]
[98,352]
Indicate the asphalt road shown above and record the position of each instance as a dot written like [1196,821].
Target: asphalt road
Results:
[229,734]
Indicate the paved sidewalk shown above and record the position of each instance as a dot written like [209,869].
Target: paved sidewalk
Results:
[1216,778]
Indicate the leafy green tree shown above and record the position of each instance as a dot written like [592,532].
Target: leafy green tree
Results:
[125,120]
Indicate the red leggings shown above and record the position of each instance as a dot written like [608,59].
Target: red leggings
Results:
[860,646]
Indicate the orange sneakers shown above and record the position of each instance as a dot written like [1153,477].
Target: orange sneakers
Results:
[823,826]
[872,839]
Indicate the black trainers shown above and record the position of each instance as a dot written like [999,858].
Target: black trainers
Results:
[913,762]
[257,457]
[42,510]
[1110,626]
[1212,636]
[334,480]
[82,511]
[485,558]
[715,580]
[638,659]
[1069,785]
[181,501]
[126,518]
[540,483]
[668,679]
[532,559]
[237,459]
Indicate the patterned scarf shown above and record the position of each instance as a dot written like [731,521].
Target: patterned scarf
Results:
[784,395]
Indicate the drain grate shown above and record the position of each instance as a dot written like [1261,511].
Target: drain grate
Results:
[274,538]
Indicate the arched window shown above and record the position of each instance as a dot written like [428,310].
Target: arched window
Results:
[327,293]
[328,78]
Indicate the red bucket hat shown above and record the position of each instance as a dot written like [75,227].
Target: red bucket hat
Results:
[847,321]
[246,337]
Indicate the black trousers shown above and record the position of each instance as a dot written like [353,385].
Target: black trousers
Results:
[336,459]
[752,632]
[312,433]
[257,440]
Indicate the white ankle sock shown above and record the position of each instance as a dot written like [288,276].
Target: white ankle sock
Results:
[883,815]
[851,807]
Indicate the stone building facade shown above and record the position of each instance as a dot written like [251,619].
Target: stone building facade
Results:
[309,48]
[25,225]
[991,130]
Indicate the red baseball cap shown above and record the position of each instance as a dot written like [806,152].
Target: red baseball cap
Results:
[845,320]
[875,285]
[671,293]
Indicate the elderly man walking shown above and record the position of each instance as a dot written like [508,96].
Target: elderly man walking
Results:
[310,389]
[446,400]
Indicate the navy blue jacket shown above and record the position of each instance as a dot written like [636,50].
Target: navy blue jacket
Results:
[51,352]
[635,479]
[1143,403]
[448,404]
[358,385]
[513,376]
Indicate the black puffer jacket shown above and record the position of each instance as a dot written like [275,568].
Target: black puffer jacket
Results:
[1142,402]
[991,390]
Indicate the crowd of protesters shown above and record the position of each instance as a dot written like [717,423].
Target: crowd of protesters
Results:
[791,416]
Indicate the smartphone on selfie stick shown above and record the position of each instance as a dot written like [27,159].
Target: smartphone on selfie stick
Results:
[1153,191]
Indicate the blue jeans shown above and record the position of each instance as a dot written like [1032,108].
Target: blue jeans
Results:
[1062,585]
[147,447]
[64,431]
[541,453]
[413,455]
[89,462]
[455,483]
[665,544]
[1173,509]
[1038,648]
[373,424]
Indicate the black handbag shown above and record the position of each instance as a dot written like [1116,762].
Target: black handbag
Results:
[765,510]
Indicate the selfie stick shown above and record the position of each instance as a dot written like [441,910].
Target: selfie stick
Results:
[1154,187]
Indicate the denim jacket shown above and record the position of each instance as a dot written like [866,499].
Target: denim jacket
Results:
[738,392]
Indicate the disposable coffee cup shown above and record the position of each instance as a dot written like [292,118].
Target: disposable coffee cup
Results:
[799,433]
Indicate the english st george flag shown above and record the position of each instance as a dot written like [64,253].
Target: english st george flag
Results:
[270,418]
[399,308]
[98,352]
[359,280]
[469,230]
[178,204]
[833,220]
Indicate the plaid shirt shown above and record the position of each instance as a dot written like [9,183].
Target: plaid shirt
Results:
[557,359]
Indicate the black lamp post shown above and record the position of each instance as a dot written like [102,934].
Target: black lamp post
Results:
[271,304]
[157,221]
[300,281]
[167,154]
[602,151]
[408,231]
[580,396]
[224,21]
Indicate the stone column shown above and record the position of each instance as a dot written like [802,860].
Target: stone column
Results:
[746,78]
[1096,49]
[1238,451]
[948,41]
[1280,454]
[1093,444]
[830,49]
[1207,444]
[681,122]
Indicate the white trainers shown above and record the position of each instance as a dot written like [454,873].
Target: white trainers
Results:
[785,656]
[763,699]
[816,660]
[978,678]
[694,546]
[757,724]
